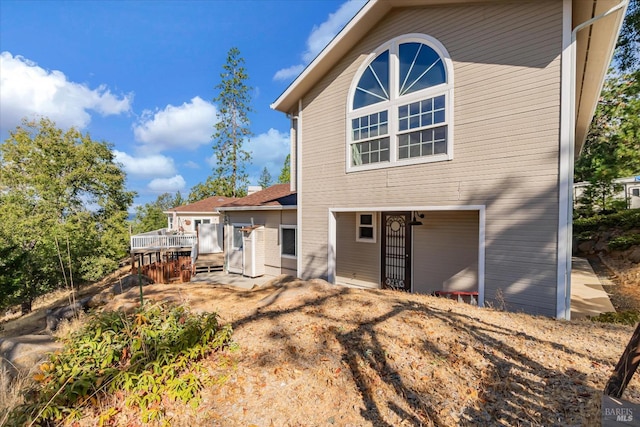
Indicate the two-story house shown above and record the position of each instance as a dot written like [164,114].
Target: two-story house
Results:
[433,145]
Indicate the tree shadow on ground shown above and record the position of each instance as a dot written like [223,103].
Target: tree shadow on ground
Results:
[482,375]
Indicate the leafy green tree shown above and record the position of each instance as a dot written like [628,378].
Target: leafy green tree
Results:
[612,148]
[63,196]
[151,216]
[285,173]
[628,48]
[212,187]
[232,128]
[265,178]
[178,200]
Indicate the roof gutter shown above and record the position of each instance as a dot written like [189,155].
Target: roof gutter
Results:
[571,147]
[257,208]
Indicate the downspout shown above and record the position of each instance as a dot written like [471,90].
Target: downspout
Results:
[299,231]
[572,136]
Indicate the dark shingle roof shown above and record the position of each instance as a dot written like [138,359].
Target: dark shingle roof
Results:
[210,204]
[276,195]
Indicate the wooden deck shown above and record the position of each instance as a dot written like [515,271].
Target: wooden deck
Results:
[206,263]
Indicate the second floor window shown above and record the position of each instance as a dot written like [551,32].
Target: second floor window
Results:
[400,106]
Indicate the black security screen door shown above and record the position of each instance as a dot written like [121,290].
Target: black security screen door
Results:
[396,251]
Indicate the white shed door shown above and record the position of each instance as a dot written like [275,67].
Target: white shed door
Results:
[210,238]
[235,250]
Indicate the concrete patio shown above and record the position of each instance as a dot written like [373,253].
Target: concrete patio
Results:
[588,296]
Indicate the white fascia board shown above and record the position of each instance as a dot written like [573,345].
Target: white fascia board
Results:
[192,212]
[287,100]
[258,208]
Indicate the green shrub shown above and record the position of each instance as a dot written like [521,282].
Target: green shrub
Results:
[623,242]
[626,220]
[585,235]
[628,317]
[153,353]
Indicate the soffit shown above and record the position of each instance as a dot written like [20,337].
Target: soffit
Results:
[594,48]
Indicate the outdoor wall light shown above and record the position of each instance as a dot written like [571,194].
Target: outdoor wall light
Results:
[415,220]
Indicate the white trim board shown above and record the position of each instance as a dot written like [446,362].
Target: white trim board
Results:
[565,167]
[332,238]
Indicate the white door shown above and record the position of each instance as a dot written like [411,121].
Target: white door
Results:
[210,238]
[234,251]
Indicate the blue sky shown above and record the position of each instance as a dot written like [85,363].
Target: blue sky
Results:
[141,75]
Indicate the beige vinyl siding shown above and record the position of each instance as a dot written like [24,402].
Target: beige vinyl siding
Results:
[506,60]
[357,263]
[445,252]
[274,263]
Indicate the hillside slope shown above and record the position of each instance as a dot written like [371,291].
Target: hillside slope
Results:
[314,354]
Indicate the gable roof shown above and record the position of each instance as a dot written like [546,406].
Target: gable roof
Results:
[208,205]
[595,45]
[276,197]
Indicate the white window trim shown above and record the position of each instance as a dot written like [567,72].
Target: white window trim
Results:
[289,227]
[233,226]
[392,105]
[373,225]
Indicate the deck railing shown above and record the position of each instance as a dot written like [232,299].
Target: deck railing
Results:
[160,240]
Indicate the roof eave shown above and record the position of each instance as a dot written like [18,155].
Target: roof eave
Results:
[372,12]
[257,208]
[594,51]
[212,212]
[339,46]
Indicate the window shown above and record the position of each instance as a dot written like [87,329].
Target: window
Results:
[170,222]
[635,192]
[400,107]
[288,241]
[237,237]
[197,222]
[366,227]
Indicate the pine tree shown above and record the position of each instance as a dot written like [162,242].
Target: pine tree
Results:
[233,127]
[285,173]
[265,178]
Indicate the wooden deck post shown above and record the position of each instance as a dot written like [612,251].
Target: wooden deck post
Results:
[626,367]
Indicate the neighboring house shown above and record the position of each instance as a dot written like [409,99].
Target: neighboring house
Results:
[629,191]
[203,218]
[433,145]
[261,233]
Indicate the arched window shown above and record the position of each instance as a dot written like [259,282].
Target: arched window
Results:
[400,105]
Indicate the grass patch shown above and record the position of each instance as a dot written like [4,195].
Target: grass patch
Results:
[153,354]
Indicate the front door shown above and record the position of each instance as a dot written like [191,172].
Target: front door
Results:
[396,251]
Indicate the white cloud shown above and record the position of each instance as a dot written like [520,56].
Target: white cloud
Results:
[321,35]
[186,126]
[269,149]
[212,160]
[155,165]
[192,165]
[27,90]
[288,73]
[167,185]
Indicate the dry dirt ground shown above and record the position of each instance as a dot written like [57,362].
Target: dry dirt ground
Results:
[313,354]
[625,294]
